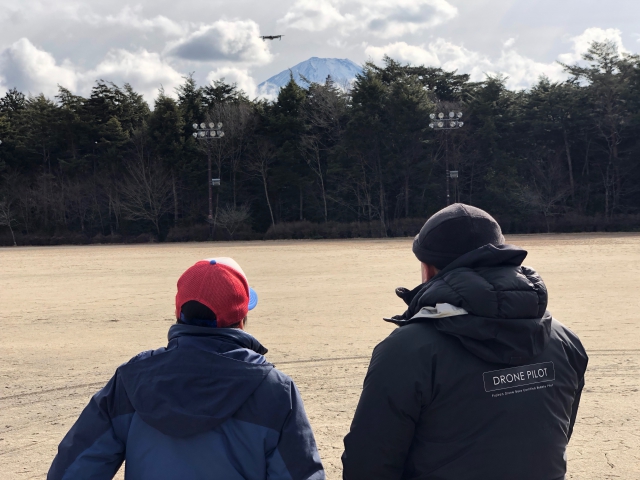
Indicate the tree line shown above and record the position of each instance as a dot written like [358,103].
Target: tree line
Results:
[322,160]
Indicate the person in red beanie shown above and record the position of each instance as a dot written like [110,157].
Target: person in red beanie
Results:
[206,406]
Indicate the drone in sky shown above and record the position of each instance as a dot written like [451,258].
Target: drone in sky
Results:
[271,37]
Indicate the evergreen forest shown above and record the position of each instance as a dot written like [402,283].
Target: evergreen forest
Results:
[322,162]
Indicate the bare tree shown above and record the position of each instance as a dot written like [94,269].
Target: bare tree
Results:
[359,181]
[146,190]
[78,196]
[9,188]
[231,218]
[262,157]
[111,191]
[547,190]
[322,113]
[26,205]
[7,217]
[311,152]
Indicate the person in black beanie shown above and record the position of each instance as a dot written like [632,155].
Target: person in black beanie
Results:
[479,381]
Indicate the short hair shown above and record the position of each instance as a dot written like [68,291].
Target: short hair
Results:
[194,310]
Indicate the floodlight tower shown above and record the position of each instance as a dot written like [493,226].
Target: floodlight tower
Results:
[206,132]
[440,121]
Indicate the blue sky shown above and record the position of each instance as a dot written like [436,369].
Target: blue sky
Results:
[149,44]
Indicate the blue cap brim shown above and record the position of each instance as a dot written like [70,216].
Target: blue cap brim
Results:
[253,298]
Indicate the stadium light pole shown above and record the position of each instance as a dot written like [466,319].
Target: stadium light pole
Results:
[207,132]
[451,121]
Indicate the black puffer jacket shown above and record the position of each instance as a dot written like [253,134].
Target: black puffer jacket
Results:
[492,394]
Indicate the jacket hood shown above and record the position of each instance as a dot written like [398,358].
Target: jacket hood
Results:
[507,321]
[202,378]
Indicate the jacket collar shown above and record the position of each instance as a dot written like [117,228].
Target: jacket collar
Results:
[232,335]
[483,257]
[488,256]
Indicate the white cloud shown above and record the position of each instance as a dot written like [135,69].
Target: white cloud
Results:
[582,42]
[82,13]
[392,19]
[520,70]
[523,71]
[236,41]
[145,71]
[403,52]
[313,15]
[241,77]
[25,11]
[268,91]
[377,17]
[439,53]
[457,57]
[131,18]
[33,70]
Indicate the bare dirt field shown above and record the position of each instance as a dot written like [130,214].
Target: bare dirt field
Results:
[71,315]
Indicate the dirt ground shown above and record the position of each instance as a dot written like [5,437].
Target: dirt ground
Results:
[71,315]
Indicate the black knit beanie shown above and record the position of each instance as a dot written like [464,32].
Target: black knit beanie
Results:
[454,231]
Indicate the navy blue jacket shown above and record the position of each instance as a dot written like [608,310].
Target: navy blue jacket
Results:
[208,406]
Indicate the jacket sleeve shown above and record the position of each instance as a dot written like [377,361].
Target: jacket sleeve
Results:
[574,408]
[578,359]
[95,446]
[296,456]
[382,430]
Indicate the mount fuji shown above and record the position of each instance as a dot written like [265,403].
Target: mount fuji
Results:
[342,70]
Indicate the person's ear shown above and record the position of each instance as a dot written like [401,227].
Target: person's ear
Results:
[428,272]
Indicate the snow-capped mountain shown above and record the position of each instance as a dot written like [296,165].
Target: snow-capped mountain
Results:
[342,70]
